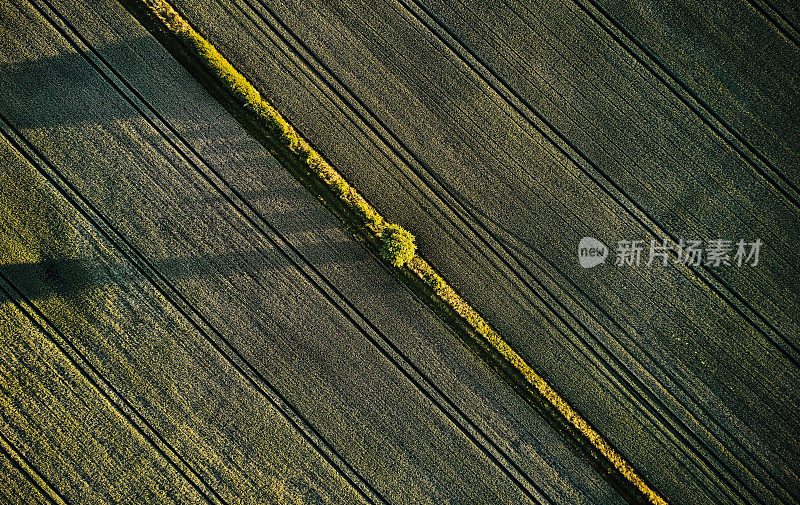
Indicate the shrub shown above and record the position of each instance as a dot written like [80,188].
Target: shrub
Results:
[397,245]
[341,186]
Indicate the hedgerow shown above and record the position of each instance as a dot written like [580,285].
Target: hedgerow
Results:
[396,245]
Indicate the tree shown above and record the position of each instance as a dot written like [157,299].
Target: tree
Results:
[397,245]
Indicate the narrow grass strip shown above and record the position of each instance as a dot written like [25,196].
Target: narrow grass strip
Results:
[394,244]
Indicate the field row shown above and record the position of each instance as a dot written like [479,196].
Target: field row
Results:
[688,372]
[204,300]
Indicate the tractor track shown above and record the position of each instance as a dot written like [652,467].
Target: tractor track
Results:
[78,360]
[360,111]
[393,354]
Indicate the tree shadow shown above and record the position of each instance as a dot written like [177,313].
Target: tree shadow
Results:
[66,277]
[56,103]
[69,77]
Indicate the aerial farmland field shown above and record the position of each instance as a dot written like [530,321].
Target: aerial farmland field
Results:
[200,300]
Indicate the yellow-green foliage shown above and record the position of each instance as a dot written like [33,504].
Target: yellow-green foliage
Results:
[278,128]
[33,236]
[397,244]
[449,296]
[222,69]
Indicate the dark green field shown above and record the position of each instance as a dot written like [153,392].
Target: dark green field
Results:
[184,321]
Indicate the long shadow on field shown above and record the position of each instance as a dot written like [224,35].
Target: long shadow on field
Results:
[66,90]
[65,277]
[65,94]
[62,93]
[70,82]
[292,208]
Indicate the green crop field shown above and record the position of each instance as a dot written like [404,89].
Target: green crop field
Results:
[328,252]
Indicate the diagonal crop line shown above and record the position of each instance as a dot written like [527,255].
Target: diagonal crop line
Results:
[686,272]
[424,273]
[748,456]
[707,278]
[199,323]
[774,16]
[132,416]
[471,431]
[165,287]
[573,153]
[29,471]
[506,257]
[589,312]
[659,410]
[635,48]
[530,71]
[424,384]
